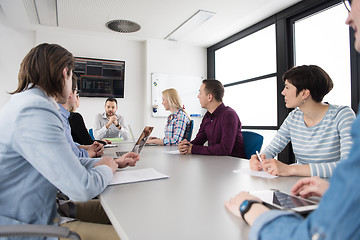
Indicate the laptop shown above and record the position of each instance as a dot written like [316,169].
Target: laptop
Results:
[140,143]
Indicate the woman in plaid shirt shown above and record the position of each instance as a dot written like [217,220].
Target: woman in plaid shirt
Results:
[176,122]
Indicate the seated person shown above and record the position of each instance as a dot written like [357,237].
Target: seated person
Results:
[96,149]
[337,214]
[176,122]
[34,149]
[79,132]
[109,124]
[221,126]
[90,212]
[319,132]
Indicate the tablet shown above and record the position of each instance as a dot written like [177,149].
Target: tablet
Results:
[280,200]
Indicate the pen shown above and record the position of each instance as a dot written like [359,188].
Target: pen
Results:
[258,155]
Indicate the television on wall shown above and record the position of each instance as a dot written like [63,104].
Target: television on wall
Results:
[99,77]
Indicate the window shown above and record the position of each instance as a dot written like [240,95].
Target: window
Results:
[323,39]
[251,63]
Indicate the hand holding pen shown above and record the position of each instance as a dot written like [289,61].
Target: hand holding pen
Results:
[184,147]
[256,161]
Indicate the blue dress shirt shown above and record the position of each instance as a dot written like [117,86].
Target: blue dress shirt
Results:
[36,160]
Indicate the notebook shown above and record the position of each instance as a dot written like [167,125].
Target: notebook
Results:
[140,143]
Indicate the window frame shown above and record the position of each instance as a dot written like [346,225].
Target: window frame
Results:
[284,26]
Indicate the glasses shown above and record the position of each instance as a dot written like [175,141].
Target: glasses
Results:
[77,92]
[347,4]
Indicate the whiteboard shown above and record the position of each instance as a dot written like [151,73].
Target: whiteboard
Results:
[186,86]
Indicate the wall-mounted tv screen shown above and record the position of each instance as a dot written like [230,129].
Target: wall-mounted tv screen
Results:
[99,77]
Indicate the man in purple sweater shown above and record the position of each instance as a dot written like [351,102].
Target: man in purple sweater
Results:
[221,126]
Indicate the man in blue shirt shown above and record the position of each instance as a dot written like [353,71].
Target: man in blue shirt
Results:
[35,157]
[337,216]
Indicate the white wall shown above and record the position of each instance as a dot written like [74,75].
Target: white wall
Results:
[141,59]
[107,47]
[171,58]
[14,45]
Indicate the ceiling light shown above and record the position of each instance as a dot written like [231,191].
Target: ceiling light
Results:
[190,24]
[46,11]
[124,26]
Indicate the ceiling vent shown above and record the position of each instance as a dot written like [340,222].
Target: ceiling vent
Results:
[123,26]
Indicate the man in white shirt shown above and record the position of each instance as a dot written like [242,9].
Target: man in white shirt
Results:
[109,124]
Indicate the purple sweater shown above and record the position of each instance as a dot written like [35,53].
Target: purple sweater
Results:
[222,130]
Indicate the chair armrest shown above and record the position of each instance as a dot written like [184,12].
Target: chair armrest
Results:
[38,230]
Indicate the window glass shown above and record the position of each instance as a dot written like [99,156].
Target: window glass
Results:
[255,102]
[323,39]
[249,57]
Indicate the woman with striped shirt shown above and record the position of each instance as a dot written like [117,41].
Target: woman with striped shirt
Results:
[176,122]
[319,132]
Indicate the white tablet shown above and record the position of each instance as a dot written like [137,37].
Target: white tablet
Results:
[276,199]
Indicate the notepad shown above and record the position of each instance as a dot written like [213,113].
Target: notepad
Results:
[136,175]
[248,171]
[114,140]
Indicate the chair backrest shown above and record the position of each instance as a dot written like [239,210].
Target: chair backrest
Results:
[91,134]
[189,130]
[131,133]
[252,142]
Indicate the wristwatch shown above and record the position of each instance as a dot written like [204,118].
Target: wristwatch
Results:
[245,207]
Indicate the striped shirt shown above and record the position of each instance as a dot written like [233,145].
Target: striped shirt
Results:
[175,127]
[321,146]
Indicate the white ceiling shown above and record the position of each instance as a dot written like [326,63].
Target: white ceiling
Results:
[157,18]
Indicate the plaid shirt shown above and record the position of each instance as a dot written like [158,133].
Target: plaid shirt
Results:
[175,127]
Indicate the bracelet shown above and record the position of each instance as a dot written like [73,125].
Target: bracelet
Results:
[245,207]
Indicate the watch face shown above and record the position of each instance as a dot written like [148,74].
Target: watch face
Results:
[244,205]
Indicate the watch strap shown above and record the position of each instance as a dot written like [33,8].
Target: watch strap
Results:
[245,207]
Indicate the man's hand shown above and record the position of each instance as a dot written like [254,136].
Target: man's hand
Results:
[108,161]
[112,120]
[185,147]
[128,159]
[94,150]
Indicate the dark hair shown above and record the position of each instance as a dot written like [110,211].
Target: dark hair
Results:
[111,99]
[74,82]
[43,67]
[310,77]
[214,87]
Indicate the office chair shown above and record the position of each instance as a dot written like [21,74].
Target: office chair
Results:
[252,143]
[37,230]
[189,130]
[131,133]
[91,134]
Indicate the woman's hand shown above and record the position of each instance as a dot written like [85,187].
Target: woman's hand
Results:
[277,168]
[255,163]
[312,186]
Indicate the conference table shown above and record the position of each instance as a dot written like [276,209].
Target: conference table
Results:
[187,205]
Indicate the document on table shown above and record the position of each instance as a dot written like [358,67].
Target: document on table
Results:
[173,152]
[109,145]
[136,175]
[248,171]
